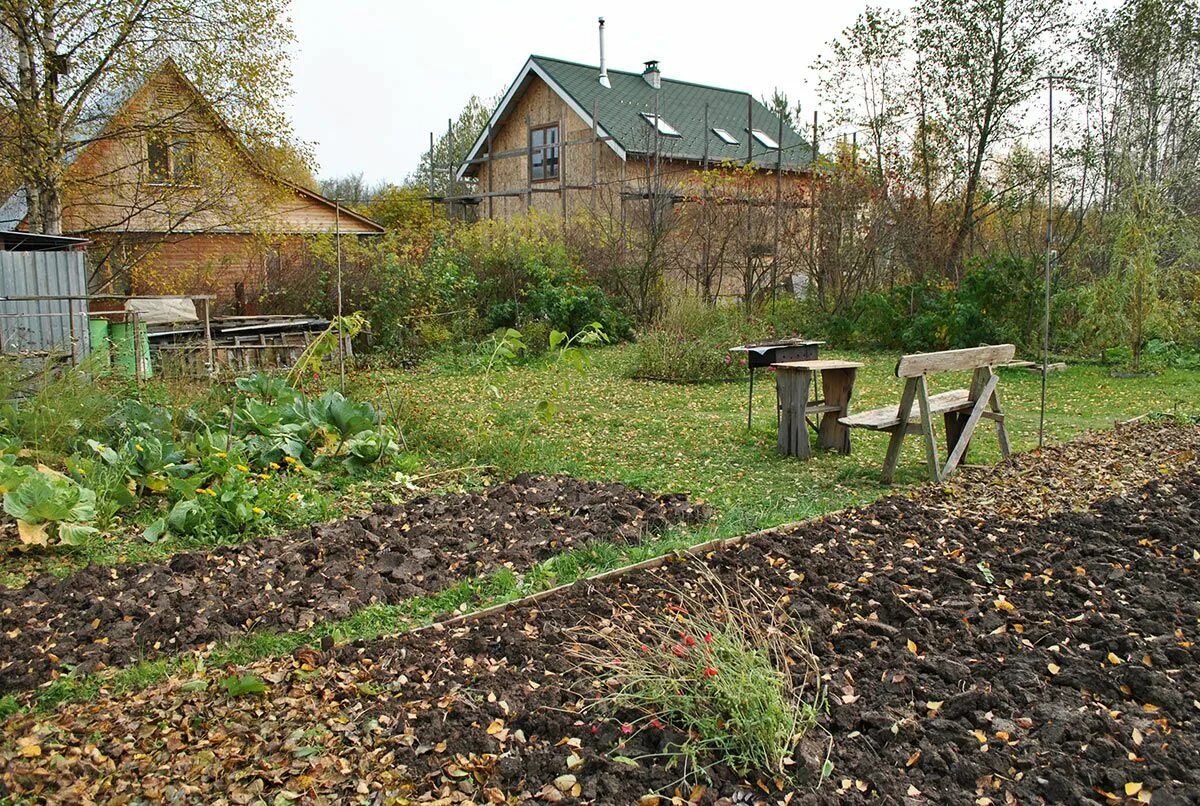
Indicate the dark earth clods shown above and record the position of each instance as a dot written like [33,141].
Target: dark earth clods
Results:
[102,616]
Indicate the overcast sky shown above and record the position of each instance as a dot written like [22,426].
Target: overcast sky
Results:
[373,77]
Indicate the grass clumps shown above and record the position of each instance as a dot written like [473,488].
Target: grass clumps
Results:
[736,681]
[690,342]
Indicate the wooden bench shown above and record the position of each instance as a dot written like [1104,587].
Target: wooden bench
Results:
[961,408]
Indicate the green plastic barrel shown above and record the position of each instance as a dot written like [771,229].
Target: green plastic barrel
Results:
[101,360]
[121,336]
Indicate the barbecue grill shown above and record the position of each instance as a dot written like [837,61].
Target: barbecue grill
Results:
[766,353]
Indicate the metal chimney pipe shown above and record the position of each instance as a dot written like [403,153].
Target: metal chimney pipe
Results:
[604,82]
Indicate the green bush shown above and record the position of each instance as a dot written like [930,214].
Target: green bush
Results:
[690,344]
[998,300]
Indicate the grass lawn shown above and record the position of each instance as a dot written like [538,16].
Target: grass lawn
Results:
[693,438]
[658,436]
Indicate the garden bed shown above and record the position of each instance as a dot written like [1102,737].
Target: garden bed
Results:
[103,616]
[967,658]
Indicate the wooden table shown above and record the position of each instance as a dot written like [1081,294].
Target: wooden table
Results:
[765,353]
[794,382]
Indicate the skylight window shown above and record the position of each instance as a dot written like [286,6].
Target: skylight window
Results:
[664,128]
[724,134]
[764,138]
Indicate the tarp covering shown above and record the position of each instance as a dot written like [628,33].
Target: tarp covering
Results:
[163,311]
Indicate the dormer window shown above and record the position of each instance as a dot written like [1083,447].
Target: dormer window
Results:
[725,136]
[170,159]
[764,139]
[664,128]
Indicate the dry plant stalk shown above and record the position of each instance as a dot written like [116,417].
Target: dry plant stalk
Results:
[725,667]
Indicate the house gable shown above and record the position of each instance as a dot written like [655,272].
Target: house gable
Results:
[695,111]
[107,187]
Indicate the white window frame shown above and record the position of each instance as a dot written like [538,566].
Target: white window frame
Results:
[727,138]
[664,128]
[764,139]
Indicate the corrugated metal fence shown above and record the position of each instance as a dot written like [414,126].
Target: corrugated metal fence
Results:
[44,327]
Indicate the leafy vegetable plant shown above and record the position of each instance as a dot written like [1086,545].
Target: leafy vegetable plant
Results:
[48,504]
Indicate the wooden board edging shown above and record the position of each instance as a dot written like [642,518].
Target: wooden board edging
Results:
[693,552]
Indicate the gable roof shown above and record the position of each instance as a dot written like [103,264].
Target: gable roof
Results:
[92,128]
[621,111]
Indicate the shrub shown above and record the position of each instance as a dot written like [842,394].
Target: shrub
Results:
[690,344]
[724,668]
[998,300]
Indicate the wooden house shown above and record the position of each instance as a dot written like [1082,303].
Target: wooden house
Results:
[173,202]
[730,177]
[560,132]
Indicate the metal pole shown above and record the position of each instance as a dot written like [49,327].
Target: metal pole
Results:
[812,204]
[778,204]
[750,402]
[749,281]
[1046,277]
[337,238]
[702,282]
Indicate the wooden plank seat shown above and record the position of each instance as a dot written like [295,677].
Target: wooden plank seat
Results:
[888,417]
[961,409]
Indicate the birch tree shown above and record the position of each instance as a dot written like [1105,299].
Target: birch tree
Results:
[982,60]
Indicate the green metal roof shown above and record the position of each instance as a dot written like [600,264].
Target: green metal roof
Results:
[620,109]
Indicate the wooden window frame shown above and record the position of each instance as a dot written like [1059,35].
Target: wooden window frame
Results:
[557,148]
[171,141]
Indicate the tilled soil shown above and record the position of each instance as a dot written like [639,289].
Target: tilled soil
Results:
[102,616]
[966,661]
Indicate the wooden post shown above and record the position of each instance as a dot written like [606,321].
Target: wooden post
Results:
[432,195]
[793,386]
[75,352]
[449,166]
[959,450]
[208,340]
[931,455]
[562,167]
[528,158]
[836,387]
[904,412]
[1001,431]
[595,142]
[137,349]
[490,170]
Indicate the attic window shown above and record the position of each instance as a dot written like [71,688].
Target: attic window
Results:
[764,138]
[724,134]
[543,153]
[170,160]
[664,128]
